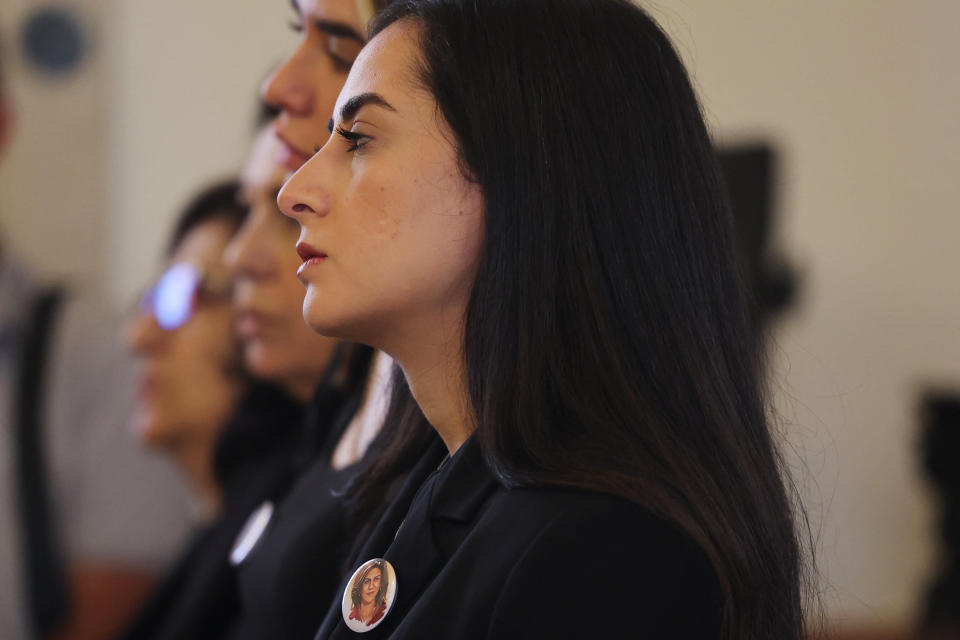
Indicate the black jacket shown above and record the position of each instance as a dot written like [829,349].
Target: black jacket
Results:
[287,579]
[254,461]
[475,559]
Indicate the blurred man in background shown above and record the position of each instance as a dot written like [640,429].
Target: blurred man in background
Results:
[87,520]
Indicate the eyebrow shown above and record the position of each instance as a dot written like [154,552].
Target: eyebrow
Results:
[332,27]
[338,30]
[354,104]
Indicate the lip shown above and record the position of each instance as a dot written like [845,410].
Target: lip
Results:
[310,257]
[291,157]
[146,385]
[307,252]
[249,324]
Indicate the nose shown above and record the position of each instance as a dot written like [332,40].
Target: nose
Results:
[143,335]
[289,87]
[303,196]
[245,255]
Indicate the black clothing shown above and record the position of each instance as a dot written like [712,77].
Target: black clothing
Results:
[45,572]
[287,579]
[475,559]
[253,463]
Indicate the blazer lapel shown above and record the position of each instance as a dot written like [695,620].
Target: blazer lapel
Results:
[380,541]
[418,541]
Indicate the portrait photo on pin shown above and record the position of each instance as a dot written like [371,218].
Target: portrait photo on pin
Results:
[369,595]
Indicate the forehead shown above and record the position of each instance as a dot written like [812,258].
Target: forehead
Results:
[347,11]
[385,66]
[204,244]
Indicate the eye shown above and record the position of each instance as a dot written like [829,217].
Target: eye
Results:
[295,25]
[357,140]
[343,52]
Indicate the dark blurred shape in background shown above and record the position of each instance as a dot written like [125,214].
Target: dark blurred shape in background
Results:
[53,40]
[750,174]
[940,451]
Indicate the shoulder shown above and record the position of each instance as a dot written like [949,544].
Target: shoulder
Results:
[595,564]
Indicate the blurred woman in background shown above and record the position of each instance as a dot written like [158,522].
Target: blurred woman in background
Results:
[190,373]
[289,576]
[234,438]
[289,572]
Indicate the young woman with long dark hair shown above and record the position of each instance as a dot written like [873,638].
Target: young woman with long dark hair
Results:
[520,204]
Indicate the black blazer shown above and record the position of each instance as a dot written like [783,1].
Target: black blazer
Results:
[253,462]
[287,579]
[475,559]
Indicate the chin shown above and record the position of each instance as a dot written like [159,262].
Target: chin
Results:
[333,320]
[259,361]
[338,328]
[318,317]
[150,430]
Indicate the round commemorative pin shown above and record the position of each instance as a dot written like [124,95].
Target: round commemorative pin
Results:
[369,595]
[251,533]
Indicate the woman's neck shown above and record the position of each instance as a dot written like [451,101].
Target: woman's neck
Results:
[435,372]
[196,461]
[302,387]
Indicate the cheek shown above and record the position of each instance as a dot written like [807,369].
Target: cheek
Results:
[212,348]
[425,230]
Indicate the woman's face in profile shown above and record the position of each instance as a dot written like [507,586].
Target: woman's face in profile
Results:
[371,586]
[306,85]
[268,298]
[187,382]
[390,229]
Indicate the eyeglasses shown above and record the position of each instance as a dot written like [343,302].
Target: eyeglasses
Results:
[173,298]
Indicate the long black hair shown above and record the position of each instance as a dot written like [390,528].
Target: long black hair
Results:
[607,339]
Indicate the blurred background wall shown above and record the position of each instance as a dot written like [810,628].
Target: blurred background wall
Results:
[185,79]
[54,171]
[860,98]
[163,101]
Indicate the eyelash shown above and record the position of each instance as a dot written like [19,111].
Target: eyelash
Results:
[356,140]
[342,64]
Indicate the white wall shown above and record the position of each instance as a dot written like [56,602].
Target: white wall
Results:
[53,188]
[863,98]
[185,78]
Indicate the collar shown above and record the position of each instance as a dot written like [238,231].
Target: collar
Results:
[464,484]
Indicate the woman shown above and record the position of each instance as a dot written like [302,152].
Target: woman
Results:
[289,575]
[368,595]
[190,374]
[520,205]
[306,517]
[197,404]
[306,85]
